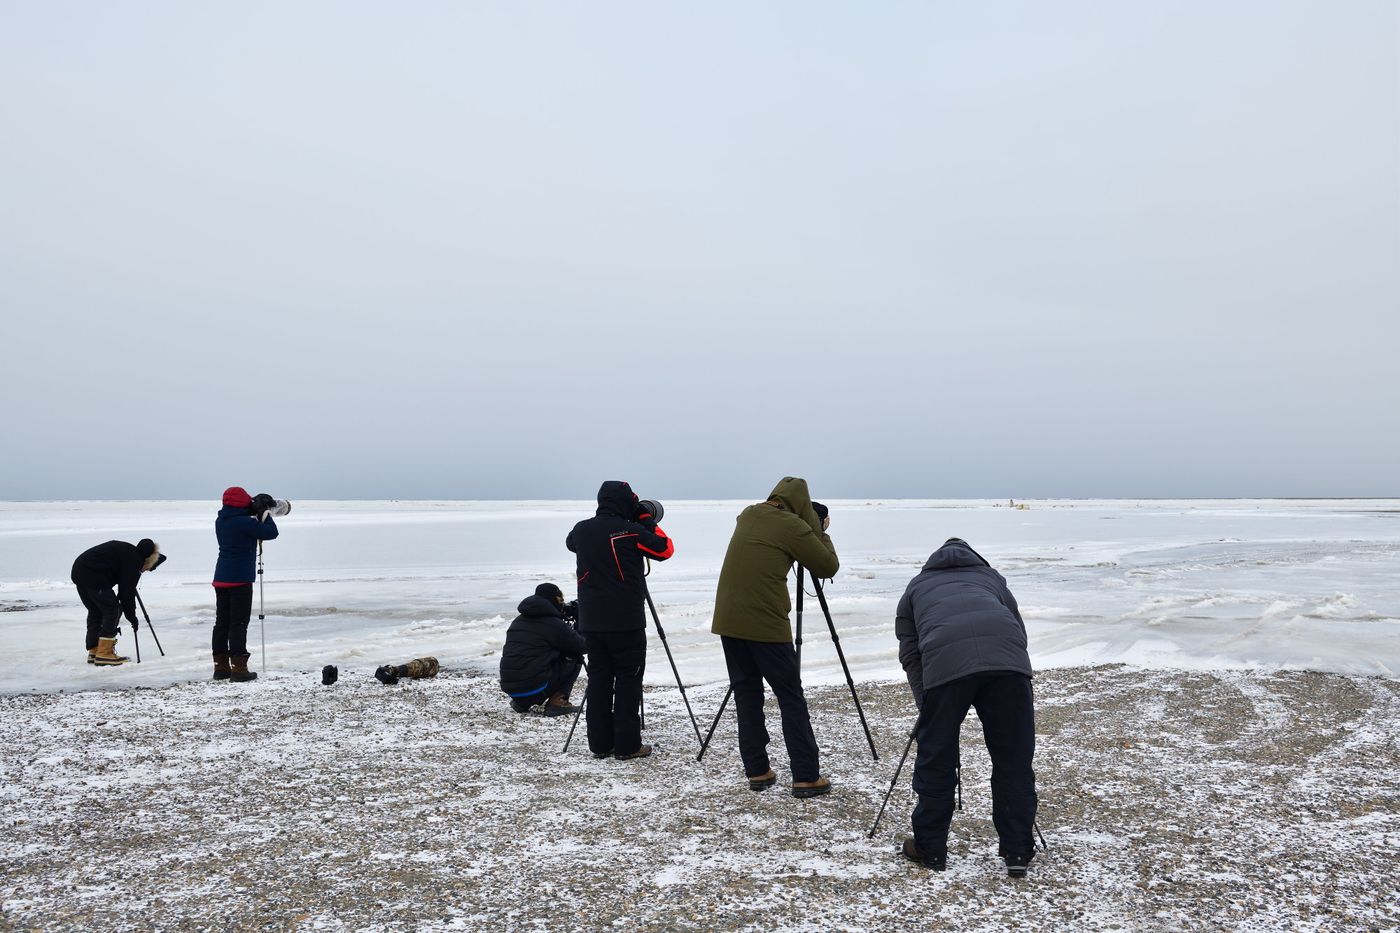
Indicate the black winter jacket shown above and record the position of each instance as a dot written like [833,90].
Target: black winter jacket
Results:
[537,638]
[611,547]
[957,617]
[115,563]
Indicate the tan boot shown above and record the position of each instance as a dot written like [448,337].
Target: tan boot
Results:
[92,655]
[804,789]
[106,654]
[221,668]
[238,669]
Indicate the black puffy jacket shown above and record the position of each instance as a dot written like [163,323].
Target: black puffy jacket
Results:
[611,547]
[957,617]
[115,563]
[537,638]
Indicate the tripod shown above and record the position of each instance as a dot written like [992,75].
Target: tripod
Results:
[140,602]
[835,640]
[913,733]
[656,619]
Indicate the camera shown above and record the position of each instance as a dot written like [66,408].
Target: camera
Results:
[569,611]
[264,505]
[650,510]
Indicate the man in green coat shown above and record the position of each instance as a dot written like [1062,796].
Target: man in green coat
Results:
[751,618]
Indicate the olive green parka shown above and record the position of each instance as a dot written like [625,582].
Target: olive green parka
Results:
[752,600]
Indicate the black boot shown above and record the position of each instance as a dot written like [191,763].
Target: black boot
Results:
[238,669]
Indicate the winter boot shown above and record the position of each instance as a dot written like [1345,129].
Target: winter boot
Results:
[910,851]
[1017,866]
[642,752]
[221,669]
[92,655]
[238,669]
[805,789]
[106,653]
[763,781]
[559,705]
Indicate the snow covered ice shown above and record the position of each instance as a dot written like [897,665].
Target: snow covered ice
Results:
[1163,783]
[1188,585]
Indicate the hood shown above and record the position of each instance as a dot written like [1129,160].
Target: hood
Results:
[792,492]
[617,498]
[533,605]
[955,552]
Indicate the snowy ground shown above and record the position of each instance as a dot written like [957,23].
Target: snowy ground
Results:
[1170,801]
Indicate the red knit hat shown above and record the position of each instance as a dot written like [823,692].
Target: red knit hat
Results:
[237,497]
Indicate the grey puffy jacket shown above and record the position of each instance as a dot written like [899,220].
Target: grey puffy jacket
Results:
[957,617]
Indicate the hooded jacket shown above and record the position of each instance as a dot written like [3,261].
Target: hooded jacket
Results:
[239,534]
[115,563]
[611,548]
[957,617]
[537,639]
[752,600]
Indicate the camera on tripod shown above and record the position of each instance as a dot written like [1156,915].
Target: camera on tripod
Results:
[264,505]
[649,510]
[569,611]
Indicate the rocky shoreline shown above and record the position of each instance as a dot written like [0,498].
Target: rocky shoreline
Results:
[1170,801]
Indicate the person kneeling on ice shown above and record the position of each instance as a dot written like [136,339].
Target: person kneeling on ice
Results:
[242,524]
[751,618]
[542,655]
[962,644]
[98,569]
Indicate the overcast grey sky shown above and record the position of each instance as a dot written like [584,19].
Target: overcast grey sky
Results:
[482,250]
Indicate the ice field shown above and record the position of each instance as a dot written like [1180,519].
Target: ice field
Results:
[1194,585]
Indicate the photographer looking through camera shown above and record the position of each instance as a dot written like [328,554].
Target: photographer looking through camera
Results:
[543,654]
[612,548]
[243,521]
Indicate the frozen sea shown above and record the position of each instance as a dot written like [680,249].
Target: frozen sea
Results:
[1193,585]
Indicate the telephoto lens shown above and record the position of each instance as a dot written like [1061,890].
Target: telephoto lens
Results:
[651,508]
[263,504]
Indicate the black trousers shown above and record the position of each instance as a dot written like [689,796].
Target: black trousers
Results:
[233,607]
[104,613]
[750,663]
[1004,704]
[616,661]
[562,675]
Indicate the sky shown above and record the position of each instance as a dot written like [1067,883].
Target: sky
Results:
[509,250]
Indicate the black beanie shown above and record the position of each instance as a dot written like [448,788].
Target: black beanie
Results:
[550,592]
[145,547]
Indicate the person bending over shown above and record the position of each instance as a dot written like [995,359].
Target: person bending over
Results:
[241,524]
[962,644]
[96,571]
[751,618]
[542,655]
[612,547]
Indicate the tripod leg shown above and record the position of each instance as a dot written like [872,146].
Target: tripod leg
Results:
[893,781]
[836,640]
[642,711]
[709,735]
[577,717]
[800,588]
[140,602]
[674,670]
[1043,846]
[137,638]
[262,627]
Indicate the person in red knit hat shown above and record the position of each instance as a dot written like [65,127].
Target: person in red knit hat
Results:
[239,527]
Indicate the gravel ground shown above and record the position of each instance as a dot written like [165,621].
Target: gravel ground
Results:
[1170,801]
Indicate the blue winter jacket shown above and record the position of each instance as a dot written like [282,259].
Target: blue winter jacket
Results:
[239,534]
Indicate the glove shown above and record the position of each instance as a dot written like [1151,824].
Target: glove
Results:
[134,624]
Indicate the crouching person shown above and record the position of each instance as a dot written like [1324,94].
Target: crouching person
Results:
[542,655]
[96,571]
[962,644]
